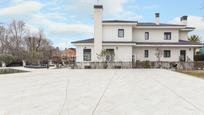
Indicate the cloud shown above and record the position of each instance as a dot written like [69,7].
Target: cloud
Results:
[70,28]
[61,27]
[193,21]
[25,7]
[17,1]
[64,44]
[56,20]
[112,8]
[151,6]
[128,16]
[64,19]
[32,28]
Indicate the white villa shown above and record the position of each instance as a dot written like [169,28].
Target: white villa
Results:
[133,40]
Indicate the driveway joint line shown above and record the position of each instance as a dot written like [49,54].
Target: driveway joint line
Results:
[181,97]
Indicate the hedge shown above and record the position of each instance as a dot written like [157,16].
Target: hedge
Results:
[199,57]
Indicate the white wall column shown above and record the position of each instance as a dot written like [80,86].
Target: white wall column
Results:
[98,18]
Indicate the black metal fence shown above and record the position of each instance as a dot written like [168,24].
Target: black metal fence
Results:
[103,65]
[141,64]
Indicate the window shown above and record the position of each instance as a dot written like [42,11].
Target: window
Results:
[167,35]
[146,53]
[121,33]
[167,53]
[146,35]
[87,54]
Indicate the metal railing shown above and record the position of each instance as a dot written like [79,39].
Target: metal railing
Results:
[141,64]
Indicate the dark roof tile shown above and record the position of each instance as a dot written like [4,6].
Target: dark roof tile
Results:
[118,42]
[181,42]
[85,41]
[119,21]
[98,6]
[144,23]
[154,24]
[190,28]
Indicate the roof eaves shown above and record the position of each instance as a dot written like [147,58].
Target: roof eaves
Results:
[84,41]
[181,42]
[119,21]
[154,24]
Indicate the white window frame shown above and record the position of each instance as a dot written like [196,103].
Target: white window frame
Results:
[146,35]
[121,33]
[146,53]
[167,53]
[167,35]
[86,55]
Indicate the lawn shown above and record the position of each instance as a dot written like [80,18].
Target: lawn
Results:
[9,71]
[197,73]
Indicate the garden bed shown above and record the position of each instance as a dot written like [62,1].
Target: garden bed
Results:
[196,73]
[36,66]
[10,71]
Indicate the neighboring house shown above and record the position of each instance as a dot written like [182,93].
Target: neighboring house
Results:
[56,52]
[69,53]
[133,40]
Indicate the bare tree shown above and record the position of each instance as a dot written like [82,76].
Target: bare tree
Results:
[17,40]
[38,47]
[158,55]
[2,37]
[16,32]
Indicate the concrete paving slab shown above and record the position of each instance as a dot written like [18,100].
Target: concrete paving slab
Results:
[101,92]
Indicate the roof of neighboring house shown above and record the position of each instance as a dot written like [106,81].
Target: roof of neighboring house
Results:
[70,49]
[70,52]
[181,42]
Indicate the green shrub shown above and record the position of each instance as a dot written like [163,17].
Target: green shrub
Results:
[9,71]
[7,58]
[146,64]
[34,57]
[199,57]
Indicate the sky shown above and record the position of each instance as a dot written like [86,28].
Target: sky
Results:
[64,21]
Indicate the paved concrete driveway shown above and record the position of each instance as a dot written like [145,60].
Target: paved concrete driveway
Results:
[101,92]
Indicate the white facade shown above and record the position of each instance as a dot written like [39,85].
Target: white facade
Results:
[175,54]
[183,35]
[79,52]
[110,33]
[155,35]
[122,53]
[127,40]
